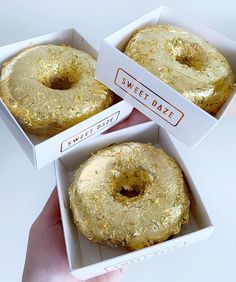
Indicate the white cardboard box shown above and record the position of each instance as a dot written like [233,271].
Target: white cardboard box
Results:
[44,150]
[150,95]
[87,260]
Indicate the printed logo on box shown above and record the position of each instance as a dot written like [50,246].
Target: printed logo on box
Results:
[144,257]
[86,133]
[148,98]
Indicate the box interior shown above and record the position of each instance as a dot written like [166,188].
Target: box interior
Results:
[81,252]
[165,15]
[67,37]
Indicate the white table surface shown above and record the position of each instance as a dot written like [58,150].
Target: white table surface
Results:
[23,190]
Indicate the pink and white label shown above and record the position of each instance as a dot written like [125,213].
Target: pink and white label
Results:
[148,98]
[91,130]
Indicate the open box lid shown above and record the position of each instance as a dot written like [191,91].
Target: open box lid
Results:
[161,103]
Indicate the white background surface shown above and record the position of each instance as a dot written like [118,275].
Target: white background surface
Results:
[23,191]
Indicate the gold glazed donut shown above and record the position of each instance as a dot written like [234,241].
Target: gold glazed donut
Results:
[50,88]
[131,195]
[185,62]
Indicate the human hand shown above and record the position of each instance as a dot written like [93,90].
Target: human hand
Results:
[135,117]
[46,259]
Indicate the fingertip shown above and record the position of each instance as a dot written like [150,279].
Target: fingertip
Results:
[135,118]
[50,214]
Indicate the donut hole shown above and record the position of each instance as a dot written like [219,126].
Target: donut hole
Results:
[189,61]
[187,53]
[61,83]
[131,184]
[184,60]
[131,191]
[59,77]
